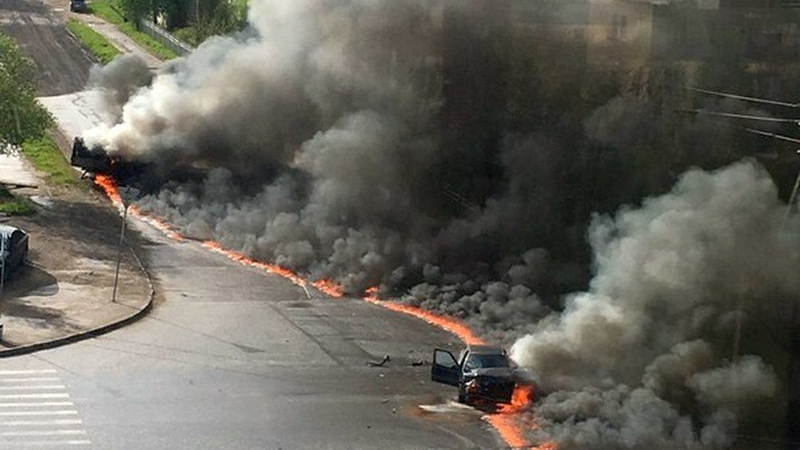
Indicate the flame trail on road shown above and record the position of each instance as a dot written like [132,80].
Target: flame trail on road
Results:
[507,422]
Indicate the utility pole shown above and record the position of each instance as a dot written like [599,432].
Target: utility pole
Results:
[2,276]
[127,196]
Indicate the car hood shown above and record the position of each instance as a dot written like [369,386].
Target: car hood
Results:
[496,372]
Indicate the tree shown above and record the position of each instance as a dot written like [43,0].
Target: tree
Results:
[137,9]
[21,115]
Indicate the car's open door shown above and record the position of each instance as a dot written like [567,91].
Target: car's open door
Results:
[445,368]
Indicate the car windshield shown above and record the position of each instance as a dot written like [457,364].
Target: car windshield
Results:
[485,361]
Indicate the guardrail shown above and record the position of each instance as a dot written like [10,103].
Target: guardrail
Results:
[166,38]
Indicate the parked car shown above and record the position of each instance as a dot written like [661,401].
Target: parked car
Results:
[13,249]
[481,373]
[77,5]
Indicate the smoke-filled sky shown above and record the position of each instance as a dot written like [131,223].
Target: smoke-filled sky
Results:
[333,144]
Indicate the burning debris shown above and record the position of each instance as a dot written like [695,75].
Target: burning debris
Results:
[325,134]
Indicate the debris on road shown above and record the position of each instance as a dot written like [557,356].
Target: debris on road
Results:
[386,358]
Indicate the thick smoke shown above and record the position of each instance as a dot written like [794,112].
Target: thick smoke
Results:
[118,80]
[331,146]
[653,345]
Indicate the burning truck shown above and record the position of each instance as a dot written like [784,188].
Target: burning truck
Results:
[96,161]
[145,175]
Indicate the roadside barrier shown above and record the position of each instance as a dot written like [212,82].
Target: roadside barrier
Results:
[165,38]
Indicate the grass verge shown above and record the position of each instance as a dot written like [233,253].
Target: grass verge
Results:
[13,206]
[45,156]
[105,10]
[93,41]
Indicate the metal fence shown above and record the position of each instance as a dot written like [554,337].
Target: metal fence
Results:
[165,38]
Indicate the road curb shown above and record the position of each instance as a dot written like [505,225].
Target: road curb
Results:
[89,334]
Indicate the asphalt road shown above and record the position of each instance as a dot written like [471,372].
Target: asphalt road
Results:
[233,358]
[62,64]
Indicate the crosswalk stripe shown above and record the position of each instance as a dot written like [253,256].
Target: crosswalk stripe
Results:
[41,422]
[45,419]
[26,372]
[16,444]
[38,404]
[30,379]
[48,395]
[38,413]
[42,433]
[32,388]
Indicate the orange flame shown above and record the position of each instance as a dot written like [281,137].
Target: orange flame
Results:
[329,287]
[108,186]
[448,324]
[519,399]
[505,422]
[508,429]
[247,261]
[157,224]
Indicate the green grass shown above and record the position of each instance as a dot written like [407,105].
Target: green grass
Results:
[93,41]
[13,206]
[45,156]
[105,10]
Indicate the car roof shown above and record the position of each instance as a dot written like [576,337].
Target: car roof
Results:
[486,350]
[6,230]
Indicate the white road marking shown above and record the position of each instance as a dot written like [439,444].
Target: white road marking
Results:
[26,372]
[42,433]
[14,423]
[26,380]
[17,444]
[32,417]
[38,413]
[37,404]
[448,407]
[32,388]
[53,395]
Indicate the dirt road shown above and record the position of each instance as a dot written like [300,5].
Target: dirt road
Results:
[63,66]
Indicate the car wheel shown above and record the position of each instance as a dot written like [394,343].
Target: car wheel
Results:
[463,397]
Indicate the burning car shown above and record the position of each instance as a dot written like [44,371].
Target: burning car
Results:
[481,373]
